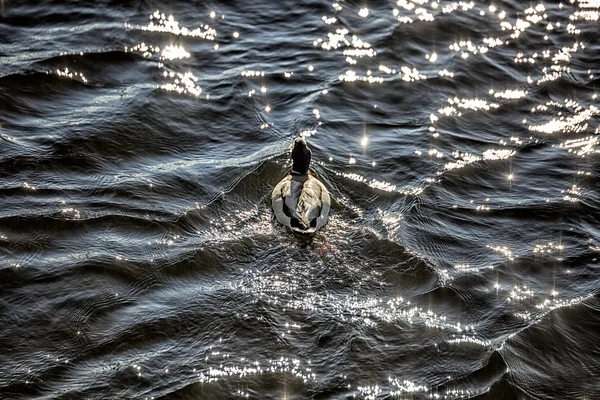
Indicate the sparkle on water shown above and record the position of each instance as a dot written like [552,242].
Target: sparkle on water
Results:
[361,64]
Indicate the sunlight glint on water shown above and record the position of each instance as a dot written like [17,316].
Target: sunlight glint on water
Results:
[459,141]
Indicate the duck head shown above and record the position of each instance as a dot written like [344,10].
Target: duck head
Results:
[301,155]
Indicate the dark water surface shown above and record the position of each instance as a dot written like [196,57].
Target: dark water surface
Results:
[459,141]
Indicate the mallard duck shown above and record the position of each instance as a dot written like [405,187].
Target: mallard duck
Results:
[300,201]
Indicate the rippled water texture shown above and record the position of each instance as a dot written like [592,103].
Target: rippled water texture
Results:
[139,145]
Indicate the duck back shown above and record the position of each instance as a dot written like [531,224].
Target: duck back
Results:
[305,202]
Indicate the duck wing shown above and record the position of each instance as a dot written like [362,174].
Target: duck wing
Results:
[279,198]
[309,203]
[325,206]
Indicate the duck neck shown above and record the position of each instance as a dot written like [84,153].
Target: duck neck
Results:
[297,176]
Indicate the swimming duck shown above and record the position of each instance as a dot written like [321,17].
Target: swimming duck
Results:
[300,201]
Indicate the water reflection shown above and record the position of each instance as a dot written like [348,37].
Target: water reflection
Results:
[489,263]
[360,61]
[159,22]
[66,73]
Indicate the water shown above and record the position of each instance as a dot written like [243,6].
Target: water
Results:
[139,258]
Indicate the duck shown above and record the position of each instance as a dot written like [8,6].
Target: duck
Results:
[300,201]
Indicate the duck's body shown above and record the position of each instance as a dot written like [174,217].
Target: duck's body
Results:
[300,201]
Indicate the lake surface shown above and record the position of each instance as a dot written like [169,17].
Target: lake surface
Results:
[140,142]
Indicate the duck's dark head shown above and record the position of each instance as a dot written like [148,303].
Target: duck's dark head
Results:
[301,155]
